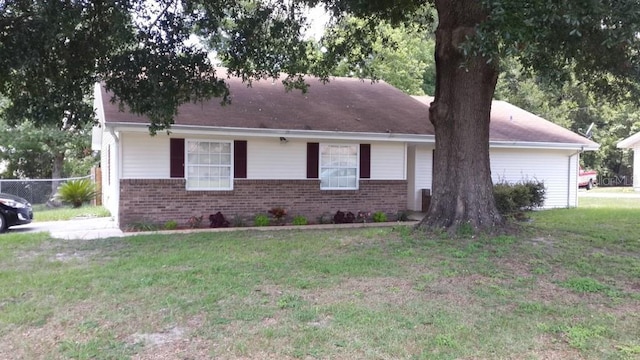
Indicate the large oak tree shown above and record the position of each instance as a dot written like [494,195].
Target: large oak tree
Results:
[143,59]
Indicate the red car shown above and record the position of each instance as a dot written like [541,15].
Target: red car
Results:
[587,178]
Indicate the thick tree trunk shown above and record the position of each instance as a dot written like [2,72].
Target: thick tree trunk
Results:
[462,187]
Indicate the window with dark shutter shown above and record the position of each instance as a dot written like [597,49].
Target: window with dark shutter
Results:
[365,161]
[313,158]
[176,150]
[240,159]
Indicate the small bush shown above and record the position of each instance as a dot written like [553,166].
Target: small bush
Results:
[261,220]
[238,221]
[325,218]
[299,220]
[379,216]
[142,226]
[363,216]
[195,222]
[170,225]
[403,216]
[343,218]
[513,198]
[278,214]
[77,192]
[217,220]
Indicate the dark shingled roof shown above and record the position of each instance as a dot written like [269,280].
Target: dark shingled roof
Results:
[510,123]
[343,104]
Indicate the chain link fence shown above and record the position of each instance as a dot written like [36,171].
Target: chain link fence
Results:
[36,191]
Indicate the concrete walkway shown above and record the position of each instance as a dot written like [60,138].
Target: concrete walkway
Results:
[76,229]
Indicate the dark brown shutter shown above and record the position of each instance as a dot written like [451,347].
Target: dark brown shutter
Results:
[240,159]
[365,161]
[313,158]
[176,149]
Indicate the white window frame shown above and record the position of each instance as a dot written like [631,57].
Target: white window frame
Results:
[357,166]
[188,164]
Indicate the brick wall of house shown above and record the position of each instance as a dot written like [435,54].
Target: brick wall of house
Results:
[157,201]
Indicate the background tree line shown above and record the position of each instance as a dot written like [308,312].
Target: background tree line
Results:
[52,52]
[31,151]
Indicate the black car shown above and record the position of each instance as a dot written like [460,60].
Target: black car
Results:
[14,210]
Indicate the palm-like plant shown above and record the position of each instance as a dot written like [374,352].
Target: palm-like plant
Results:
[77,192]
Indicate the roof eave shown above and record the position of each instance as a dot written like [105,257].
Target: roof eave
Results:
[544,145]
[341,135]
[288,133]
[629,142]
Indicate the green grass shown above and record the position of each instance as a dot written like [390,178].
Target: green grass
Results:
[42,213]
[565,287]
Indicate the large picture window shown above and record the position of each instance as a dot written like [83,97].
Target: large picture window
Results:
[209,165]
[338,166]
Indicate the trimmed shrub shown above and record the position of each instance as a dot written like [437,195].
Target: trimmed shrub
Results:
[171,225]
[194,222]
[261,220]
[521,196]
[278,214]
[77,192]
[217,220]
[379,216]
[343,218]
[299,220]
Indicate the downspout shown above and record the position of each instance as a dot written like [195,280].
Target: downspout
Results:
[576,172]
[116,174]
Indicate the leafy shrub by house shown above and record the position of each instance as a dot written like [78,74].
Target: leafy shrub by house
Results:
[170,225]
[278,214]
[261,220]
[77,192]
[343,218]
[217,220]
[299,220]
[521,196]
[363,216]
[379,216]
[194,222]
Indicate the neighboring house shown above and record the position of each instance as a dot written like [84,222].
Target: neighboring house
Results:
[633,142]
[349,145]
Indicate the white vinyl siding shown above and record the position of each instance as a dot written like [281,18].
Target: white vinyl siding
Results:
[636,167]
[554,167]
[557,168]
[419,174]
[388,161]
[109,163]
[209,165]
[272,159]
[145,156]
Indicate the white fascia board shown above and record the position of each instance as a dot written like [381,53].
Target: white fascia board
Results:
[629,142]
[542,145]
[338,135]
[98,104]
[293,134]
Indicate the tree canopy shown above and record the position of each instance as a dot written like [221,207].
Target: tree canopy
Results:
[52,51]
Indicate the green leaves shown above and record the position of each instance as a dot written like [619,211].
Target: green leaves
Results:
[77,192]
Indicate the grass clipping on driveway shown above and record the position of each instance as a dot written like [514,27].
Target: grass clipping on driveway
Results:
[568,287]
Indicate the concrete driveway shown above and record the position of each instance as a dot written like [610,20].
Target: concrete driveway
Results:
[76,229]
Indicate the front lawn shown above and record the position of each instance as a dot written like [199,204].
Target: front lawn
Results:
[43,213]
[567,287]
